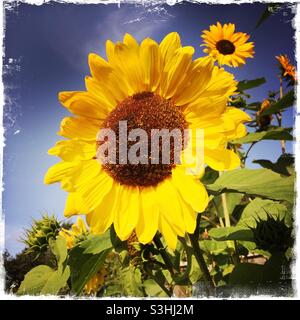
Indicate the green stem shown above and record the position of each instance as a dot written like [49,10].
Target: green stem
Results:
[199,257]
[201,262]
[164,254]
[166,290]
[279,117]
[247,153]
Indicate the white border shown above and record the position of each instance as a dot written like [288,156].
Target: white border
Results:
[13,3]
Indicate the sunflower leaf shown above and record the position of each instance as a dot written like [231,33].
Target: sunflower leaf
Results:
[231,233]
[255,182]
[269,11]
[273,134]
[96,243]
[284,165]
[250,84]
[84,266]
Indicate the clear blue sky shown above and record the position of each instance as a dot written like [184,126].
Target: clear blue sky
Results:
[46,49]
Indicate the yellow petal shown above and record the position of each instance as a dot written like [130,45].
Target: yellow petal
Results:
[191,190]
[221,160]
[75,205]
[169,45]
[174,72]
[197,80]
[94,190]
[73,150]
[79,128]
[171,210]
[127,216]
[102,217]
[84,104]
[168,232]
[151,64]
[59,171]
[147,225]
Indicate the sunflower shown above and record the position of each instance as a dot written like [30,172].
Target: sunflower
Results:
[287,69]
[77,232]
[227,47]
[149,85]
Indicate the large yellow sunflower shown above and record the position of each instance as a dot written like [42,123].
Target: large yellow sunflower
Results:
[151,86]
[226,46]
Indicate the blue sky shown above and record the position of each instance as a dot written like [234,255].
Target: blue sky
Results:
[46,49]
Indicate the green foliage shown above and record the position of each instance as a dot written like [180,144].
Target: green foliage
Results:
[272,134]
[271,9]
[286,101]
[250,84]
[255,182]
[284,164]
[95,244]
[45,280]
[84,266]
[231,233]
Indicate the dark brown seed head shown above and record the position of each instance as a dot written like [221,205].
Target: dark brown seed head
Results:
[145,111]
[225,47]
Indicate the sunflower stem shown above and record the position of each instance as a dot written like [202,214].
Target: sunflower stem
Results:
[202,264]
[279,115]
[166,290]
[226,217]
[199,257]
[164,254]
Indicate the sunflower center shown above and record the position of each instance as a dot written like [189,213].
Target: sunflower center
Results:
[225,47]
[153,114]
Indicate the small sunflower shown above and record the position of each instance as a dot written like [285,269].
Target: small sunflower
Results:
[149,85]
[287,69]
[226,46]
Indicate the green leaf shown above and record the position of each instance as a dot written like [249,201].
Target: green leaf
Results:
[249,84]
[232,199]
[273,134]
[45,280]
[35,280]
[84,267]
[284,164]
[255,182]
[96,243]
[286,101]
[56,281]
[212,246]
[153,289]
[270,10]
[209,176]
[231,233]
[59,249]
[131,282]
[260,209]
[246,274]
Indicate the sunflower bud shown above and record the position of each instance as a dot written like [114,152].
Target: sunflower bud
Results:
[272,235]
[263,121]
[37,238]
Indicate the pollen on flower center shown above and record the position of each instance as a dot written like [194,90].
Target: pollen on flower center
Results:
[145,111]
[225,47]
